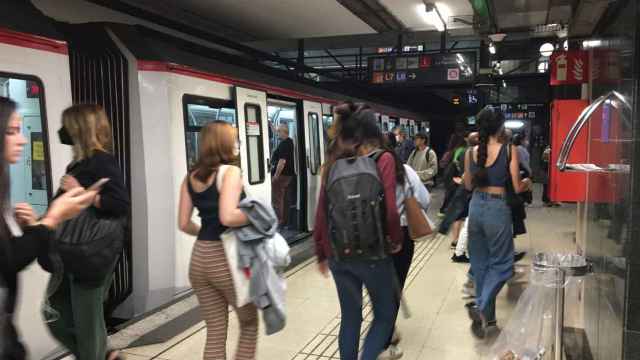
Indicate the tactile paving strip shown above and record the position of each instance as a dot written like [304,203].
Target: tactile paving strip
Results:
[324,345]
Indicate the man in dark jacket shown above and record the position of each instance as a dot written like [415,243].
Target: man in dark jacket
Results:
[405,145]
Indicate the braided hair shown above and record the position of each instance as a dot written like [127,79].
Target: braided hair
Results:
[490,123]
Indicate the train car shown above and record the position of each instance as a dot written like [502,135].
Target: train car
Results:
[158,90]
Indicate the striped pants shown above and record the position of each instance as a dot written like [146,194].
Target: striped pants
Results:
[211,281]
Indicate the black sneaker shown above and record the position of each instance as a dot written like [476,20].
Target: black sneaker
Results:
[460,259]
[519,255]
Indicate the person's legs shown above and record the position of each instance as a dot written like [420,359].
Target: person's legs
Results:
[349,287]
[62,328]
[402,264]
[545,193]
[478,243]
[455,232]
[278,192]
[384,292]
[461,246]
[88,317]
[212,303]
[499,234]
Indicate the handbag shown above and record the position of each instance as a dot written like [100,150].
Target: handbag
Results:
[90,244]
[241,277]
[419,225]
[515,202]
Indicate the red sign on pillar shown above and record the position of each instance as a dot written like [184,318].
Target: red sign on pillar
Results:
[569,67]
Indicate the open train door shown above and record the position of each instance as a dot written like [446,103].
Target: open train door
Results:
[314,148]
[253,131]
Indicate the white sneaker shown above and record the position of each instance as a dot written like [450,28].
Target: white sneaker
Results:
[393,352]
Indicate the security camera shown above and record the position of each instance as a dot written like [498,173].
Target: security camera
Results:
[497,37]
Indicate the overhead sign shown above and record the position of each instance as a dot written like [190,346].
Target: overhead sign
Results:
[429,69]
[569,67]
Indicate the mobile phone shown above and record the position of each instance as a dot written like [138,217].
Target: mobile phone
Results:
[98,184]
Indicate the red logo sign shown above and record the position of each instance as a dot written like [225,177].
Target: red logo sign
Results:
[569,67]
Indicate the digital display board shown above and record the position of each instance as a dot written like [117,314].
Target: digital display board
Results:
[428,69]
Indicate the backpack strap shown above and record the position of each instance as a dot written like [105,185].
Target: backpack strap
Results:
[375,155]
[427,155]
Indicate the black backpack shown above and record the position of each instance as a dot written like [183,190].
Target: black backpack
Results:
[355,207]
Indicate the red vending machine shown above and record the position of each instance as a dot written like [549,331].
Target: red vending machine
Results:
[567,186]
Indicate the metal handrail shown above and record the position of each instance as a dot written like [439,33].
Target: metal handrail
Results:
[567,145]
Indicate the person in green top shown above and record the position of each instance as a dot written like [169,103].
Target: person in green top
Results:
[457,147]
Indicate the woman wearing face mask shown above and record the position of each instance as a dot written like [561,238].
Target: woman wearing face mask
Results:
[81,327]
[23,240]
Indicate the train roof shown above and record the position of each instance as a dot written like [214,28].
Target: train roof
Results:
[150,45]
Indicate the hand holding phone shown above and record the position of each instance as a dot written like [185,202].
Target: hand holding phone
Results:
[97,186]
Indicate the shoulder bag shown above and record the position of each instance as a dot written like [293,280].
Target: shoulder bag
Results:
[419,226]
[240,276]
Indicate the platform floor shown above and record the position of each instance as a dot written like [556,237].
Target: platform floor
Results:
[437,329]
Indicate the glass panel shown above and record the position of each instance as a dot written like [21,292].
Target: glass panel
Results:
[254,143]
[200,111]
[30,174]
[314,126]
[327,120]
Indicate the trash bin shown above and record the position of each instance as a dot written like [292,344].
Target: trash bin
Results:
[535,329]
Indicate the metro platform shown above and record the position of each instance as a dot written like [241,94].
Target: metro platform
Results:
[438,326]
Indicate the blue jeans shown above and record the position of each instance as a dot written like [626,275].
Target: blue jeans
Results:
[378,277]
[490,249]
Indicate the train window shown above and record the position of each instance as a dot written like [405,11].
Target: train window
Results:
[198,111]
[314,155]
[327,121]
[255,155]
[30,176]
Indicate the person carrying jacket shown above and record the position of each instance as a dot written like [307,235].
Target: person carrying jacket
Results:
[424,161]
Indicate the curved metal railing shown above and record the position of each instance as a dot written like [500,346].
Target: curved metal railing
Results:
[584,117]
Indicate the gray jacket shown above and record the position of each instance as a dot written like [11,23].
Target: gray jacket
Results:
[267,288]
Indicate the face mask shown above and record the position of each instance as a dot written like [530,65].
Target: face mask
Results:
[64,136]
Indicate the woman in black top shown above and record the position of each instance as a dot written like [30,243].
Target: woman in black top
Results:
[23,240]
[214,187]
[81,327]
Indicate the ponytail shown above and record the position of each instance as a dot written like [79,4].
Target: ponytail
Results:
[490,122]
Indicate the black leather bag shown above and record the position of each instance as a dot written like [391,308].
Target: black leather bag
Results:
[90,244]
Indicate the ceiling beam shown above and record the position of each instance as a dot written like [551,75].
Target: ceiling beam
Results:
[169,10]
[374,14]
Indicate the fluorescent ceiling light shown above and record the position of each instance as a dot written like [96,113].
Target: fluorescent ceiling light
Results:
[434,14]
[514,124]
[546,49]
[460,58]
[504,85]
[591,44]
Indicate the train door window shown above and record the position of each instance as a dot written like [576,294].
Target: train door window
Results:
[327,121]
[282,114]
[314,127]
[29,177]
[199,111]
[255,158]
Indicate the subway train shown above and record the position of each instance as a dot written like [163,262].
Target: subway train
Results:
[159,90]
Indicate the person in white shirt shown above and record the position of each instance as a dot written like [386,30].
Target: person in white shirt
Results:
[424,161]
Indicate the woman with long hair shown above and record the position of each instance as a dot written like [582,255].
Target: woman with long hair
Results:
[357,135]
[81,327]
[216,198]
[489,168]
[22,236]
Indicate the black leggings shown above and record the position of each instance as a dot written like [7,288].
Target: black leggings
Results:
[402,263]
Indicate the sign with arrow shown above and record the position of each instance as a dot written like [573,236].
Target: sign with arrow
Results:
[427,69]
